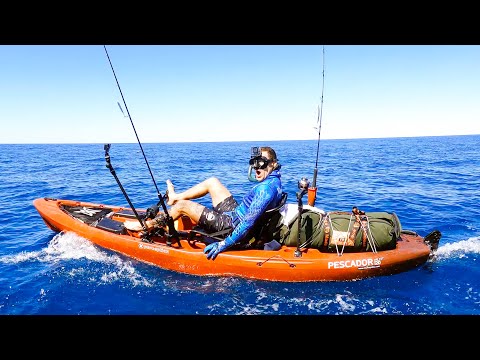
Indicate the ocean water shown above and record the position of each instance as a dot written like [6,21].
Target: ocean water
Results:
[430,182]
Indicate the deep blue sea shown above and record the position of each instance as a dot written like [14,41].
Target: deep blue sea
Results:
[430,182]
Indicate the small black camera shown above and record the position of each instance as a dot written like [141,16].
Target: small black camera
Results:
[255,152]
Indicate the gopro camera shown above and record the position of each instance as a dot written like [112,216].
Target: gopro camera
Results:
[255,152]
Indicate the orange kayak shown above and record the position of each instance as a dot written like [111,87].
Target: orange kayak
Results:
[103,225]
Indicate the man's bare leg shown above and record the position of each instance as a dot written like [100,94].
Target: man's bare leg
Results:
[212,186]
[180,203]
[182,207]
[186,207]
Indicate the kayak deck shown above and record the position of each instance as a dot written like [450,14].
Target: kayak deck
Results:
[103,225]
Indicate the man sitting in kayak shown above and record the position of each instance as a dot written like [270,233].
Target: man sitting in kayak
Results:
[226,212]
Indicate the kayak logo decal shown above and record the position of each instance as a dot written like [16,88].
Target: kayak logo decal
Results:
[361,264]
[87,211]
[143,245]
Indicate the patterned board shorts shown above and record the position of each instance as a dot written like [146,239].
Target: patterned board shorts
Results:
[213,220]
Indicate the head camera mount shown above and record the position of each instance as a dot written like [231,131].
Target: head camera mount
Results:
[255,152]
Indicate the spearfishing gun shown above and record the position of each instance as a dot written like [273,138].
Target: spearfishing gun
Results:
[151,212]
[312,191]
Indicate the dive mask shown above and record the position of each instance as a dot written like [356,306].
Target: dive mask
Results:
[257,161]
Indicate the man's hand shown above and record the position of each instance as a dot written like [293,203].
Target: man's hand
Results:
[214,249]
[133,225]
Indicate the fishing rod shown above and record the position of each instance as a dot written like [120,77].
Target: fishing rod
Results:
[312,191]
[131,121]
[106,147]
[172,232]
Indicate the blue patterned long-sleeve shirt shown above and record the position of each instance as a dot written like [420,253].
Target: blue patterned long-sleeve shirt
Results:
[264,196]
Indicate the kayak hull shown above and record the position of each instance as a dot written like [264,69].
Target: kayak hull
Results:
[186,255]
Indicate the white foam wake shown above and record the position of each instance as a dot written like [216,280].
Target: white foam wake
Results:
[69,246]
[459,249]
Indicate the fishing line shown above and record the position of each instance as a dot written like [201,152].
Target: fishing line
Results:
[131,121]
[172,232]
[312,193]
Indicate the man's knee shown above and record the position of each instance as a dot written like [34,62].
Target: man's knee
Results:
[186,207]
[213,181]
[180,206]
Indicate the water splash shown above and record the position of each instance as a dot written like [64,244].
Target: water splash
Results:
[459,249]
[68,246]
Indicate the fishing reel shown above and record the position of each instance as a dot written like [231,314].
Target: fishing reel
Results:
[303,185]
[151,212]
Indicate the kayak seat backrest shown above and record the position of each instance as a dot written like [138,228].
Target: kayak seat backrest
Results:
[268,224]
[283,201]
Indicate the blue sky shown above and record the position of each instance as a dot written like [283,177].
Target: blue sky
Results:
[186,93]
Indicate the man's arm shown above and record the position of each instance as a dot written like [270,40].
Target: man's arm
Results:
[259,205]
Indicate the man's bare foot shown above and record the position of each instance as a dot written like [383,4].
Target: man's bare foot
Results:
[133,225]
[171,193]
